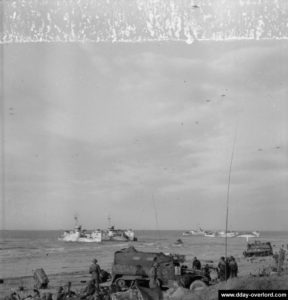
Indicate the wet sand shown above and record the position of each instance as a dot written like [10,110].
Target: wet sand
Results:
[78,280]
[247,266]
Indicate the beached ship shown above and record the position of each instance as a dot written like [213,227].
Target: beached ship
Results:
[81,235]
[122,235]
[111,234]
[116,234]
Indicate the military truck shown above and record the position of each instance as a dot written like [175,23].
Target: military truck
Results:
[132,266]
[258,248]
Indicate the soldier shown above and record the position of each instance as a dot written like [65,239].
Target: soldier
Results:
[13,296]
[153,274]
[233,267]
[60,293]
[222,269]
[95,272]
[227,270]
[36,294]
[281,259]
[89,290]
[196,265]
[47,296]
[207,272]
[68,292]
[276,258]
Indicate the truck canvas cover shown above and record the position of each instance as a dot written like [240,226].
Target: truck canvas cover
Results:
[129,261]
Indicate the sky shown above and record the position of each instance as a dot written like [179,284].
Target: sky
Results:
[144,133]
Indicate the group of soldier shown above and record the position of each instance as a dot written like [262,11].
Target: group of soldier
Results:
[227,268]
[92,290]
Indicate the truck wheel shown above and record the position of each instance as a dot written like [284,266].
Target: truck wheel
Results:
[121,283]
[197,285]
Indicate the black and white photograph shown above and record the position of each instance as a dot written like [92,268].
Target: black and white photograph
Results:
[144,149]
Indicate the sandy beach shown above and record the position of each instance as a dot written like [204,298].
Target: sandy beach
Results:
[248,268]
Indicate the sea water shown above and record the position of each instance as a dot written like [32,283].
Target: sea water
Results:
[21,252]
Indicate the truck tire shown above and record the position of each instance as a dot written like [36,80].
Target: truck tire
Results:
[121,283]
[197,285]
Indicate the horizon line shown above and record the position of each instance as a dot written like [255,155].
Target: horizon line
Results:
[143,229]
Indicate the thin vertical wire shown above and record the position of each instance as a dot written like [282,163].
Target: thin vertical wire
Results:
[228,196]
[3,125]
[156,216]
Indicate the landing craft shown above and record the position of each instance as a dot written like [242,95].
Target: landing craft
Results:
[199,232]
[248,235]
[210,234]
[111,234]
[227,234]
[81,235]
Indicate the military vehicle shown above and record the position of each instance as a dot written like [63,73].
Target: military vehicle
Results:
[258,248]
[131,266]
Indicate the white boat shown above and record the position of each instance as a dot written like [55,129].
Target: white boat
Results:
[186,233]
[199,232]
[113,234]
[116,234]
[130,234]
[210,234]
[247,235]
[81,235]
[228,234]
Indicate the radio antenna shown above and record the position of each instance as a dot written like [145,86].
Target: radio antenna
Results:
[228,196]
[156,215]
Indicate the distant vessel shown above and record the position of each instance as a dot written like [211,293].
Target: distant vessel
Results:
[199,232]
[179,242]
[210,234]
[122,235]
[116,234]
[81,235]
[111,234]
[247,235]
[228,234]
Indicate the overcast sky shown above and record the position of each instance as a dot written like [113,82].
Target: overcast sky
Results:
[145,131]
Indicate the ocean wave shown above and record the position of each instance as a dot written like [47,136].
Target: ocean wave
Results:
[55,256]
